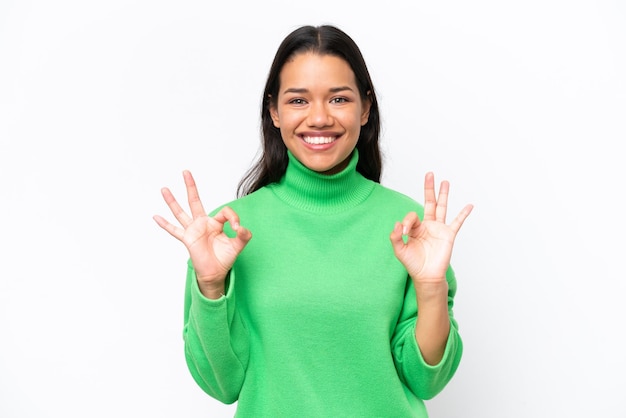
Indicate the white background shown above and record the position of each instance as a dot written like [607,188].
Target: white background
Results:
[520,104]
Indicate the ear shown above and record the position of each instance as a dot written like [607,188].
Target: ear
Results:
[274,112]
[365,114]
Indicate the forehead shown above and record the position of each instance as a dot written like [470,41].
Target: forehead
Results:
[309,69]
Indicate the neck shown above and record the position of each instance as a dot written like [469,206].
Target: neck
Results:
[309,190]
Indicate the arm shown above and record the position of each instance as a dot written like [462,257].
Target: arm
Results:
[426,254]
[424,247]
[216,341]
[426,379]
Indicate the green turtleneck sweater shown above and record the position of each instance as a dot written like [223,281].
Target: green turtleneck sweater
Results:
[319,316]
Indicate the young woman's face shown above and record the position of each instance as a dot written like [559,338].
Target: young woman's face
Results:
[319,111]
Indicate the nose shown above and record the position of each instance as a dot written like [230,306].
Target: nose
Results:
[319,115]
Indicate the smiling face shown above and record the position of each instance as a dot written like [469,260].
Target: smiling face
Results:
[319,111]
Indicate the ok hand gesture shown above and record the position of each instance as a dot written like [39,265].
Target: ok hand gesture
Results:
[211,251]
[428,248]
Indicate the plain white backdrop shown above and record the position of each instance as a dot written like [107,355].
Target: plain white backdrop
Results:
[521,105]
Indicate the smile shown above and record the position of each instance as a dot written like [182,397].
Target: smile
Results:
[317,140]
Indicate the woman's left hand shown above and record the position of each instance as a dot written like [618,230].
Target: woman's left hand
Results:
[428,248]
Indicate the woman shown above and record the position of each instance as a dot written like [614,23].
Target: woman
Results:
[316,316]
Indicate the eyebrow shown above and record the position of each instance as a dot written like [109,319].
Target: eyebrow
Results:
[303,90]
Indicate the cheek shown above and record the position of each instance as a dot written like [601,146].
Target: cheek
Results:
[286,132]
[353,121]
[287,120]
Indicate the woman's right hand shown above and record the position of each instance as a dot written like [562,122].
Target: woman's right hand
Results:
[211,251]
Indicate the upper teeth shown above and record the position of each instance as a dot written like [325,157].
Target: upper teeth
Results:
[318,139]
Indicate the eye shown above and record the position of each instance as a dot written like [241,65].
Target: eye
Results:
[297,101]
[339,100]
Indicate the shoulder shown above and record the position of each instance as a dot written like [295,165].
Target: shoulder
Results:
[252,200]
[394,194]
[396,198]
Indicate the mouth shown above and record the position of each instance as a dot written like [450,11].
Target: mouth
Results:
[319,140]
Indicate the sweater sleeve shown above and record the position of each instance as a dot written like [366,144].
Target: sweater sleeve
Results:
[425,380]
[216,341]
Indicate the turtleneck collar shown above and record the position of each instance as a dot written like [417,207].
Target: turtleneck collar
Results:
[309,190]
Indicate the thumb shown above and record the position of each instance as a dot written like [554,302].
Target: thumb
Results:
[242,238]
[395,237]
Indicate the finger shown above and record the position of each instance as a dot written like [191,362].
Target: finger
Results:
[242,238]
[460,218]
[442,202]
[410,223]
[226,214]
[395,237]
[197,210]
[430,202]
[173,230]
[177,211]
[243,235]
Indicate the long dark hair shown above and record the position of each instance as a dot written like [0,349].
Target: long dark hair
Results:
[323,40]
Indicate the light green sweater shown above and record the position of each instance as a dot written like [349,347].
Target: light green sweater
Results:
[319,315]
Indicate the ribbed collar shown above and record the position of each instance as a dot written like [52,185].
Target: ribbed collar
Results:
[308,190]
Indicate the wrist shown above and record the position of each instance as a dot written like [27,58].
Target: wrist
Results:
[431,292]
[212,289]
[211,292]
